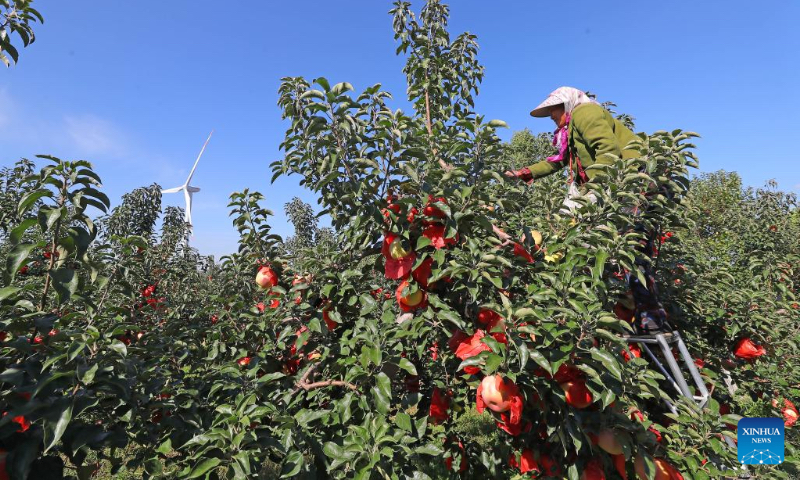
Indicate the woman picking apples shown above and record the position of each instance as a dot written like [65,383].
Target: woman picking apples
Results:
[586,134]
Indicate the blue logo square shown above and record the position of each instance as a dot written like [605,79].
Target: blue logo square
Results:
[760,441]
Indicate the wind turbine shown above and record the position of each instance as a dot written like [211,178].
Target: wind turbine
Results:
[188,190]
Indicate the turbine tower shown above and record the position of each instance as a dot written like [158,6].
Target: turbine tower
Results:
[188,190]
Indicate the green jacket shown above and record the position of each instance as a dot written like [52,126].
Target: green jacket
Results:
[593,133]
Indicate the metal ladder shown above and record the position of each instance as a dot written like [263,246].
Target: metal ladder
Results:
[674,375]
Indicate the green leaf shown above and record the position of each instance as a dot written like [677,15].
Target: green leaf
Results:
[599,264]
[16,257]
[368,305]
[165,447]
[65,283]
[430,449]
[403,421]
[58,429]
[203,467]
[382,393]
[86,375]
[409,367]
[323,82]
[292,464]
[89,173]
[333,450]
[422,242]
[540,360]
[524,313]
[493,361]
[6,292]
[19,231]
[98,195]
[608,361]
[572,472]
[306,417]
[153,467]
[119,347]
[29,199]
[524,354]
[18,462]
[47,217]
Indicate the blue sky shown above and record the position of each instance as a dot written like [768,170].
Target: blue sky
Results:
[136,87]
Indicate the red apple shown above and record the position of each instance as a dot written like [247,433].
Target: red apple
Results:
[664,471]
[577,394]
[410,301]
[498,392]
[593,471]
[608,440]
[266,278]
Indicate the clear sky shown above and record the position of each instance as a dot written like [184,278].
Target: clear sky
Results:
[135,87]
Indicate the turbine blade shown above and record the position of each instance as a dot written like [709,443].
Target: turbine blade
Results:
[198,158]
[172,190]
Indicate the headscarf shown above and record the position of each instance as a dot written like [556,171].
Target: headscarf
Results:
[571,98]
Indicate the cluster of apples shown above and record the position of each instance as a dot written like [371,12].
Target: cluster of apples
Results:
[400,258]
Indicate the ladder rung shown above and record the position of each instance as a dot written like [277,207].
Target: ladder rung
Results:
[669,337]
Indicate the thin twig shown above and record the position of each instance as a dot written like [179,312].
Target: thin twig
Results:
[54,245]
[303,383]
[328,383]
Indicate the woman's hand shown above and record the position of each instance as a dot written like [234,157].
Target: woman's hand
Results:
[523,174]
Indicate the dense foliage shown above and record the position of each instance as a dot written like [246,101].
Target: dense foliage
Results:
[407,341]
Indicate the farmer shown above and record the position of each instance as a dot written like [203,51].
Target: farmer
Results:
[586,134]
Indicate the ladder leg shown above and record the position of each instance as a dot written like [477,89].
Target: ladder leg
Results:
[660,367]
[673,366]
[666,374]
[689,361]
[670,406]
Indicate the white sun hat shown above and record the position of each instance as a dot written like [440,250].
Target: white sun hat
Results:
[568,96]
[543,110]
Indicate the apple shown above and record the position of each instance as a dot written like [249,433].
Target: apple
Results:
[789,416]
[664,471]
[527,462]
[490,319]
[608,441]
[410,301]
[577,394]
[396,249]
[497,393]
[748,350]
[266,278]
[624,313]
[593,471]
[619,464]
[549,466]
[536,236]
